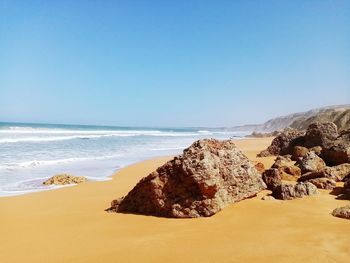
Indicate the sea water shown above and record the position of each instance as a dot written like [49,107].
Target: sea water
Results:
[31,153]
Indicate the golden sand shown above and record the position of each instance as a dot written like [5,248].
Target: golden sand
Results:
[70,225]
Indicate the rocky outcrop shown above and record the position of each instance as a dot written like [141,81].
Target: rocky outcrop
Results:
[311,162]
[342,212]
[283,143]
[272,178]
[289,191]
[323,183]
[62,179]
[340,115]
[322,138]
[208,176]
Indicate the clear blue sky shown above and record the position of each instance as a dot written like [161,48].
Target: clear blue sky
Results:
[171,63]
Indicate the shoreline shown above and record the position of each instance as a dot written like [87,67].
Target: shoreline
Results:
[69,224]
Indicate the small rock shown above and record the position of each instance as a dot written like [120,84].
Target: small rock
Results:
[268,197]
[317,174]
[323,183]
[342,212]
[289,191]
[62,179]
[260,167]
[316,149]
[281,161]
[299,152]
[311,162]
[272,178]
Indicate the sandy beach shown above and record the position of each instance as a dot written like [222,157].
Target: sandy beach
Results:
[70,225]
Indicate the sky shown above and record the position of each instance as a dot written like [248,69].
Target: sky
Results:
[171,63]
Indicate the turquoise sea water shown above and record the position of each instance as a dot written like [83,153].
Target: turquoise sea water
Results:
[30,153]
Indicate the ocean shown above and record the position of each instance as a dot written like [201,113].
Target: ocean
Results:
[31,153]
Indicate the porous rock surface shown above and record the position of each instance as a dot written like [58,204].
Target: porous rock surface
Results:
[323,183]
[311,162]
[283,143]
[342,212]
[208,176]
[62,179]
[272,178]
[289,191]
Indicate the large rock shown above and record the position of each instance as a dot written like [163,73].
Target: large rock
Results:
[283,143]
[320,134]
[323,183]
[342,212]
[289,191]
[272,178]
[62,179]
[208,176]
[311,162]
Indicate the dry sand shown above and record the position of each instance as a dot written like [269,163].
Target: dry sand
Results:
[70,225]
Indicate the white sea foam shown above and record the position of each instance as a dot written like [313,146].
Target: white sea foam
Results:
[94,136]
[28,154]
[34,163]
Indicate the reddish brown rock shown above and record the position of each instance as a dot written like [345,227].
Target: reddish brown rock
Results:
[320,134]
[283,143]
[281,161]
[317,174]
[260,167]
[292,170]
[337,151]
[208,176]
[287,170]
[289,191]
[311,162]
[323,183]
[299,152]
[272,178]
